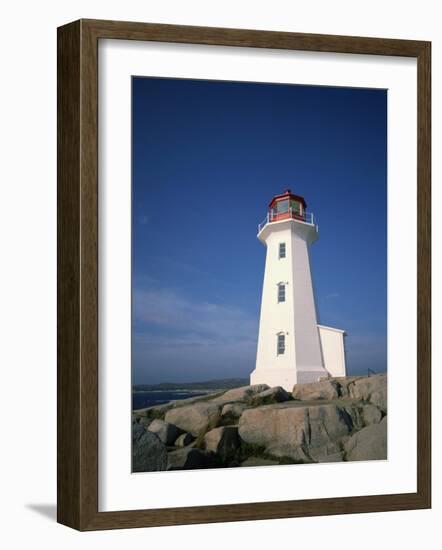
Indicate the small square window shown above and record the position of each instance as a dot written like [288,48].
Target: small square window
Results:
[281,250]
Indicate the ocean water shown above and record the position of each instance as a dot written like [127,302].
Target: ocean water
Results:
[142,399]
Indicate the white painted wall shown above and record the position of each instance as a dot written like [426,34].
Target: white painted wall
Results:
[273,369]
[309,361]
[333,350]
[296,317]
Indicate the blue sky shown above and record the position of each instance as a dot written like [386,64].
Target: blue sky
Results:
[207,158]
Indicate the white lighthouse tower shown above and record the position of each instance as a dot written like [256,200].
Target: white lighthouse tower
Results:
[292,347]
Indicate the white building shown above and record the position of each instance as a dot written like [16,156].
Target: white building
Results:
[292,347]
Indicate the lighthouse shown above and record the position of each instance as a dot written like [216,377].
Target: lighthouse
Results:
[292,347]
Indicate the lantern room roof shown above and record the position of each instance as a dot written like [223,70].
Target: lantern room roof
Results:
[287,195]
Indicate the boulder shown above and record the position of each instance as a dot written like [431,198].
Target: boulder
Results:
[343,383]
[183,440]
[191,458]
[197,418]
[371,389]
[159,411]
[165,431]
[223,441]
[362,415]
[156,411]
[329,420]
[272,395]
[324,389]
[232,411]
[149,454]
[144,421]
[303,433]
[371,414]
[370,443]
[243,394]
[137,431]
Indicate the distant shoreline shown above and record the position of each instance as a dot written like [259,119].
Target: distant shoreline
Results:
[178,390]
[148,395]
[207,386]
[204,386]
[148,398]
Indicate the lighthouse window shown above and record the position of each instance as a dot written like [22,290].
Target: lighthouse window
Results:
[282,207]
[281,292]
[281,250]
[281,344]
[296,207]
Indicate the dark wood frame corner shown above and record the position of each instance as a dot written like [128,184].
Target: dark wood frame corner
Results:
[78,274]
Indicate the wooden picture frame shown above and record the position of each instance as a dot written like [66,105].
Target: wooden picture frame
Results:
[78,274]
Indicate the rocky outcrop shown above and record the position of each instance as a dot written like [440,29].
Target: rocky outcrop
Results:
[195,419]
[191,458]
[149,454]
[314,391]
[368,414]
[159,411]
[370,443]
[164,430]
[223,441]
[336,419]
[365,389]
[372,389]
[232,411]
[183,440]
[272,395]
[243,395]
[303,433]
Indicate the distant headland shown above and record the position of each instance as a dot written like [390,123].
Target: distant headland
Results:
[219,384]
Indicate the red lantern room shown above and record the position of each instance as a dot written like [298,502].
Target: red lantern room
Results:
[287,206]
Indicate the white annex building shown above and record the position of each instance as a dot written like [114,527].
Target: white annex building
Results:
[292,347]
